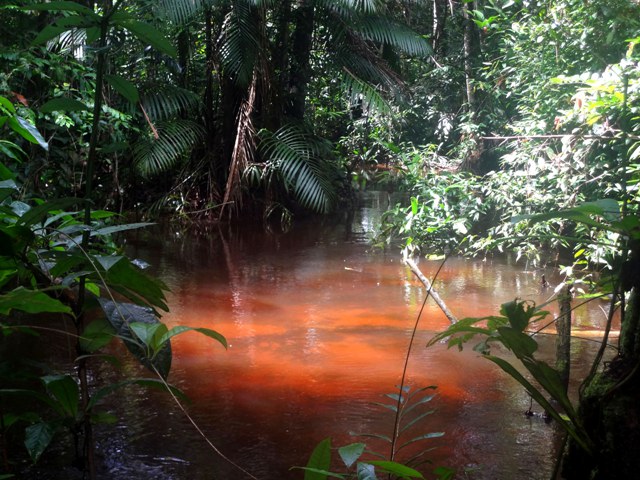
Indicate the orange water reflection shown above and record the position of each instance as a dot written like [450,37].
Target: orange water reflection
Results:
[317,331]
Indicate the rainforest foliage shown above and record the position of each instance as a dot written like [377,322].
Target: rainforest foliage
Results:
[510,125]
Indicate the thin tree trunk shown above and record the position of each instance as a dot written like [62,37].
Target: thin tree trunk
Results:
[563,340]
[467,47]
[300,70]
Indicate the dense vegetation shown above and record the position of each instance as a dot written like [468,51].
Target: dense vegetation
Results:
[511,125]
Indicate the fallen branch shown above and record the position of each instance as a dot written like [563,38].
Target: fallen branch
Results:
[425,281]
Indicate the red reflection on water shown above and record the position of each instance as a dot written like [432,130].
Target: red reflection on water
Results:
[316,334]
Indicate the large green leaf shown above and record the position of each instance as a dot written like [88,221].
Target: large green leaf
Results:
[64,391]
[39,213]
[131,281]
[320,460]
[397,469]
[31,301]
[62,6]
[64,105]
[122,316]
[97,335]
[124,87]
[204,331]
[149,35]
[28,131]
[37,438]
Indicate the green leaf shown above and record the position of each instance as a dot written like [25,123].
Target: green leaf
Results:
[27,131]
[320,459]
[62,6]
[97,335]
[351,453]
[108,261]
[397,469]
[119,228]
[148,35]
[37,439]
[123,317]
[124,87]
[65,392]
[62,104]
[38,213]
[205,331]
[131,281]
[31,301]
[47,33]
[519,343]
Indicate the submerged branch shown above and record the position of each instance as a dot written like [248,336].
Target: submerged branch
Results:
[430,290]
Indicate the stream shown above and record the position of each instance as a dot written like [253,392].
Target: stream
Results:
[318,325]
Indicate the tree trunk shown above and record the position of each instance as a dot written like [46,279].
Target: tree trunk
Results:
[300,69]
[563,341]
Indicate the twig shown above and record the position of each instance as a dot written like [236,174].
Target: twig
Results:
[425,281]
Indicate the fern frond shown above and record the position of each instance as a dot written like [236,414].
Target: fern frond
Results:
[175,138]
[166,102]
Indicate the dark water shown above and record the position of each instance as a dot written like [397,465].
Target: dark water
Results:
[318,326]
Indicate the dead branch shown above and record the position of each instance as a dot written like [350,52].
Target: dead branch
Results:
[430,290]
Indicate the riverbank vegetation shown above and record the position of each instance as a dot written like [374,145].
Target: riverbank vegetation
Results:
[510,125]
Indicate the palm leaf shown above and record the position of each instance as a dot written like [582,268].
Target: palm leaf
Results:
[240,45]
[165,103]
[357,89]
[299,158]
[175,138]
[180,12]
[381,29]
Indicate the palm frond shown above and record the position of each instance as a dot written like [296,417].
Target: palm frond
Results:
[300,159]
[175,138]
[239,43]
[382,29]
[166,102]
[243,149]
[179,11]
[348,6]
[361,91]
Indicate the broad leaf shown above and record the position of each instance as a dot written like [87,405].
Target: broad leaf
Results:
[28,131]
[124,87]
[63,105]
[65,392]
[31,301]
[320,459]
[351,453]
[148,35]
[62,6]
[97,335]
[205,331]
[122,316]
[397,469]
[131,281]
[37,439]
